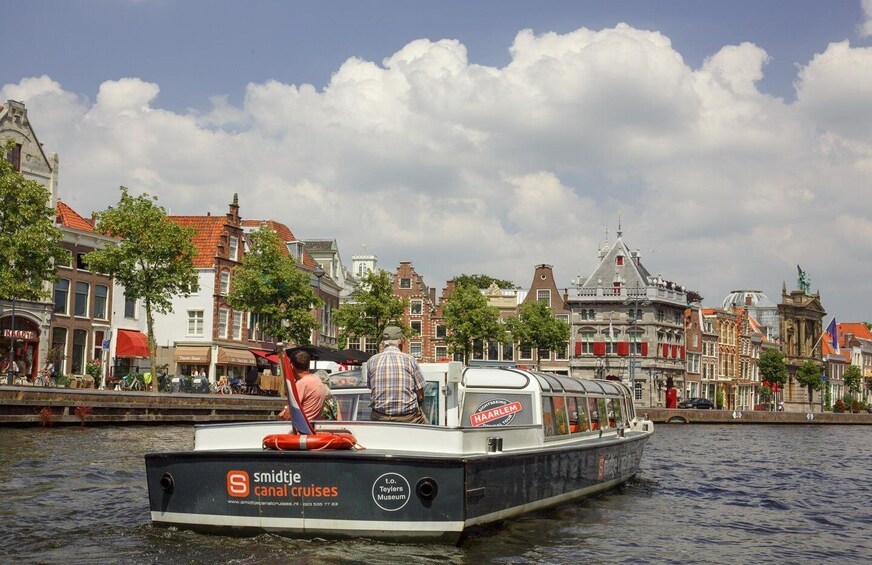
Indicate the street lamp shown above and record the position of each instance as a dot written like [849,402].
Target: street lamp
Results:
[319,272]
[634,341]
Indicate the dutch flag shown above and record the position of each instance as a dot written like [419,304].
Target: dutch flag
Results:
[298,418]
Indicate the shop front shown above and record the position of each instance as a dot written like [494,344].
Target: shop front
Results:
[234,363]
[131,347]
[192,359]
[23,341]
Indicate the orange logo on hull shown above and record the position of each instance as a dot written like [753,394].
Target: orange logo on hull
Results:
[238,484]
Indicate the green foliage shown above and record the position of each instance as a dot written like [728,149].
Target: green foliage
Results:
[482,281]
[853,379]
[269,283]
[154,259]
[765,392]
[809,376]
[468,317]
[94,368]
[772,367]
[719,399]
[537,327]
[372,309]
[28,237]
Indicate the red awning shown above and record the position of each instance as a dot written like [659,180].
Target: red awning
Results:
[131,344]
[271,357]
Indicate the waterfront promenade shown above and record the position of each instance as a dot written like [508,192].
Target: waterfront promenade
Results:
[27,405]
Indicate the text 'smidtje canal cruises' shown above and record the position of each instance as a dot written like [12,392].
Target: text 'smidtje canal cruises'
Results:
[502,442]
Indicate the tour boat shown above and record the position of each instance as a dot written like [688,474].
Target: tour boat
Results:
[502,442]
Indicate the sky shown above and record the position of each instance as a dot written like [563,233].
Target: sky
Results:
[732,140]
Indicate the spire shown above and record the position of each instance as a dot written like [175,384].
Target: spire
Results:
[620,233]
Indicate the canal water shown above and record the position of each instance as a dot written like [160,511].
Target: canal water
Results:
[704,494]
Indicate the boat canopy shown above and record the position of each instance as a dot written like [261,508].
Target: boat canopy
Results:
[545,382]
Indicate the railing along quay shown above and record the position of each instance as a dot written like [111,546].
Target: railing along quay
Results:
[694,416]
[27,405]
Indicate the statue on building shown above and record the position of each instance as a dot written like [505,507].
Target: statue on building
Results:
[802,281]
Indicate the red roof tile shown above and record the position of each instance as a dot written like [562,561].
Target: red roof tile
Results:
[857,329]
[68,217]
[207,233]
[285,234]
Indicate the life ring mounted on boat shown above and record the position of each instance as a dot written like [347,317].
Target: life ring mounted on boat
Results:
[309,442]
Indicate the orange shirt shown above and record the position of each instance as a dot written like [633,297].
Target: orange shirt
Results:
[312,393]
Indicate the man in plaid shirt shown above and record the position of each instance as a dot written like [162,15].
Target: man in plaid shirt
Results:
[395,382]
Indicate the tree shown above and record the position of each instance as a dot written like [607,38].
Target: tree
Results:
[809,376]
[373,307]
[693,296]
[153,261]
[537,327]
[853,379]
[28,237]
[772,368]
[468,317]
[482,281]
[269,283]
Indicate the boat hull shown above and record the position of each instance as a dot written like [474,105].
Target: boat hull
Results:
[384,495]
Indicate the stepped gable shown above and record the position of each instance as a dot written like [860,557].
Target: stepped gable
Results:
[69,218]
[285,234]
[618,264]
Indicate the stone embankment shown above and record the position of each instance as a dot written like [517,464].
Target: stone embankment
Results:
[27,405]
[680,416]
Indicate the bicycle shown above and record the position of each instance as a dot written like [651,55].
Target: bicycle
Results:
[134,382]
[44,380]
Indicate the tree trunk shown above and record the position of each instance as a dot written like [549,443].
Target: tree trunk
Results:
[152,345]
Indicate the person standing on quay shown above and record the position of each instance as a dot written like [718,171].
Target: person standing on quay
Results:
[395,382]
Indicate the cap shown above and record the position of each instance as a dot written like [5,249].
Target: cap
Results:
[393,332]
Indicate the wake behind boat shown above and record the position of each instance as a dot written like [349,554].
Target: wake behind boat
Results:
[502,442]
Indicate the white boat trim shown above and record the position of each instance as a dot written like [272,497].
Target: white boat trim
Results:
[305,524]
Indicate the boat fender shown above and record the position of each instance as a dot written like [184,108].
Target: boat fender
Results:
[427,489]
[310,442]
[167,484]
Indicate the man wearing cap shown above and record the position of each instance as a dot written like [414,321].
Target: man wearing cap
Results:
[395,382]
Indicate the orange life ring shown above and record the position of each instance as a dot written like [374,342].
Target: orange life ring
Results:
[310,442]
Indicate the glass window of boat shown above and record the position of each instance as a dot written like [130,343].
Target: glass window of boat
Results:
[618,405]
[594,413]
[431,402]
[573,415]
[603,411]
[581,413]
[559,418]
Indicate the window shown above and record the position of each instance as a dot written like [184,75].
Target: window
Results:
[371,346]
[354,343]
[101,292]
[525,353]
[225,282]
[635,339]
[440,331]
[59,344]
[82,291]
[493,351]
[98,344]
[80,341]
[416,307]
[222,322]
[416,327]
[415,349]
[195,322]
[634,314]
[637,391]
[81,263]
[405,283]
[560,353]
[14,157]
[441,352]
[588,314]
[693,363]
[543,295]
[129,307]
[611,337]
[237,325]
[66,259]
[619,260]
[586,337]
[234,248]
[61,296]
[508,351]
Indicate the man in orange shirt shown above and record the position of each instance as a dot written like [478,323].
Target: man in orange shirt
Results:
[310,389]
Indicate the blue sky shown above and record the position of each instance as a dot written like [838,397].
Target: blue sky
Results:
[733,138]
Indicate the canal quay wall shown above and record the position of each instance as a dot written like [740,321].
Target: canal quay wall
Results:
[29,406]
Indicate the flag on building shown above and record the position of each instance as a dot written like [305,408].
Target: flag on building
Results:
[832,329]
[298,418]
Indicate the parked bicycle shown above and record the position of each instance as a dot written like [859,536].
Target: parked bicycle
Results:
[133,382]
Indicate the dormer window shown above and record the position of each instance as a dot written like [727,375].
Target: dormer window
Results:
[295,248]
[619,260]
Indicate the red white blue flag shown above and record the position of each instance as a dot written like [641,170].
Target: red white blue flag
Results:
[832,329]
[298,418]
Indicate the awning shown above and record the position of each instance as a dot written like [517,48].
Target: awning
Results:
[229,356]
[269,356]
[131,343]
[192,354]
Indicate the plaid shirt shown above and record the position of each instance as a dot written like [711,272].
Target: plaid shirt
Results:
[393,377]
